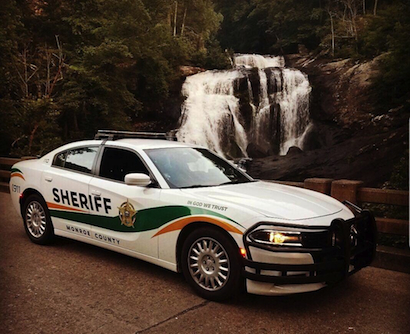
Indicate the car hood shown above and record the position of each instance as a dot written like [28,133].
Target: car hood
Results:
[272,200]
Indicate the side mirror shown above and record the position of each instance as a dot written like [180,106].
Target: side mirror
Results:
[137,179]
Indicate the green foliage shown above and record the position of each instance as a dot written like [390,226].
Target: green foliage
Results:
[10,25]
[400,176]
[338,28]
[392,86]
[266,26]
[212,57]
[32,125]
[69,67]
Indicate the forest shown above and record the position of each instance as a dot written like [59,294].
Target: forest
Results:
[70,67]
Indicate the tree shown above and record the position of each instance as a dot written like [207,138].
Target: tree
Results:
[391,87]
[270,26]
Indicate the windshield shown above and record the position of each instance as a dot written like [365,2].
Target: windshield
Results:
[186,167]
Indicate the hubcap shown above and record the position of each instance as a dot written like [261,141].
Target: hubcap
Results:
[208,264]
[36,219]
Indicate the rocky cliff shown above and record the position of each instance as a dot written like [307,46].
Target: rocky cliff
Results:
[348,140]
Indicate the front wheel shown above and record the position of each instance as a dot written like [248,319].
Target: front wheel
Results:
[210,264]
[37,222]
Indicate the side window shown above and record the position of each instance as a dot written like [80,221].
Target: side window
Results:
[116,163]
[59,159]
[79,159]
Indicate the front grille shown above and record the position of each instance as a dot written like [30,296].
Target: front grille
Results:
[346,247]
[316,239]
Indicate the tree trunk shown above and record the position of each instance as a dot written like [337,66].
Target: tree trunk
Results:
[175,18]
[59,74]
[25,73]
[364,7]
[375,7]
[31,139]
[333,33]
[183,22]
[75,122]
[48,80]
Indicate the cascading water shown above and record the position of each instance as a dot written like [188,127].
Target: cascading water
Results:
[210,112]
[257,105]
[294,106]
[258,61]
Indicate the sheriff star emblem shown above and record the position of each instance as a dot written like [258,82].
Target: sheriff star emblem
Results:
[126,214]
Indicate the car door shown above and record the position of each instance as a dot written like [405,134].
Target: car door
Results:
[125,220]
[65,188]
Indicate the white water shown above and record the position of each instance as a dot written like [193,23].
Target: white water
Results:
[259,61]
[211,115]
[294,106]
[208,110]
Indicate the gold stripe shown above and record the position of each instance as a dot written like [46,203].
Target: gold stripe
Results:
[16,174]
[62,207]
[181,223]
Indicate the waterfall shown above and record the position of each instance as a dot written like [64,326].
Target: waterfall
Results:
[259,105]
[258,61]
[210,112]
[294,105]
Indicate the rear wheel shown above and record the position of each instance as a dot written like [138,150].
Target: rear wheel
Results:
[37,222]
[210,263]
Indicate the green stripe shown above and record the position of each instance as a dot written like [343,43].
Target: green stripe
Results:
[145,220]
[14,170]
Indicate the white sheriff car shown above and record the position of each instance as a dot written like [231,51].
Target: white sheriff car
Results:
[186,209]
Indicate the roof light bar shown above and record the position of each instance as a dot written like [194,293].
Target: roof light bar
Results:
[114,135]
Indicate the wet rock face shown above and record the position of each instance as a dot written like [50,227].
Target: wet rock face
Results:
[293,150]
[257,108]
[341,103]
[347,140]
[264,139]
[340,89]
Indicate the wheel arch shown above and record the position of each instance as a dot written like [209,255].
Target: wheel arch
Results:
[187,230]
[25,194]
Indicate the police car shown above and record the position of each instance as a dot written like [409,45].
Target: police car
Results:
[186,209]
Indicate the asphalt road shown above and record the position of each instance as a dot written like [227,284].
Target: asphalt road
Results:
[70,287]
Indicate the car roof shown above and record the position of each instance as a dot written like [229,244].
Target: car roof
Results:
[148,143]
[126,142]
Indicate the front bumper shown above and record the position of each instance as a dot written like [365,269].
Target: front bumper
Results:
[348,246]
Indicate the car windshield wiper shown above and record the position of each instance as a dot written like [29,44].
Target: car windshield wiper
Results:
[198,186]
[231,182]
[235,182]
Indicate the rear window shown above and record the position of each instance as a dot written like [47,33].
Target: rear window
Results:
[79,159]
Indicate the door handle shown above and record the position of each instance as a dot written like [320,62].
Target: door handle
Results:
[48,178]
[96,193]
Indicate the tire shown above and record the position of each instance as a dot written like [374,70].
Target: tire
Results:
[37,221]
[210,263]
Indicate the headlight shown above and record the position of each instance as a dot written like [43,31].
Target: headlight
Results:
[276,237]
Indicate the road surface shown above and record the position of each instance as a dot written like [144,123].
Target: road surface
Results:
[70,287]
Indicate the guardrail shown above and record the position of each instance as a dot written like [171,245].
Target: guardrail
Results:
[352,191]
[5,166]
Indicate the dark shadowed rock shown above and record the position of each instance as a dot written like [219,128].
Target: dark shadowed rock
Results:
[293,150]
[256,151]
